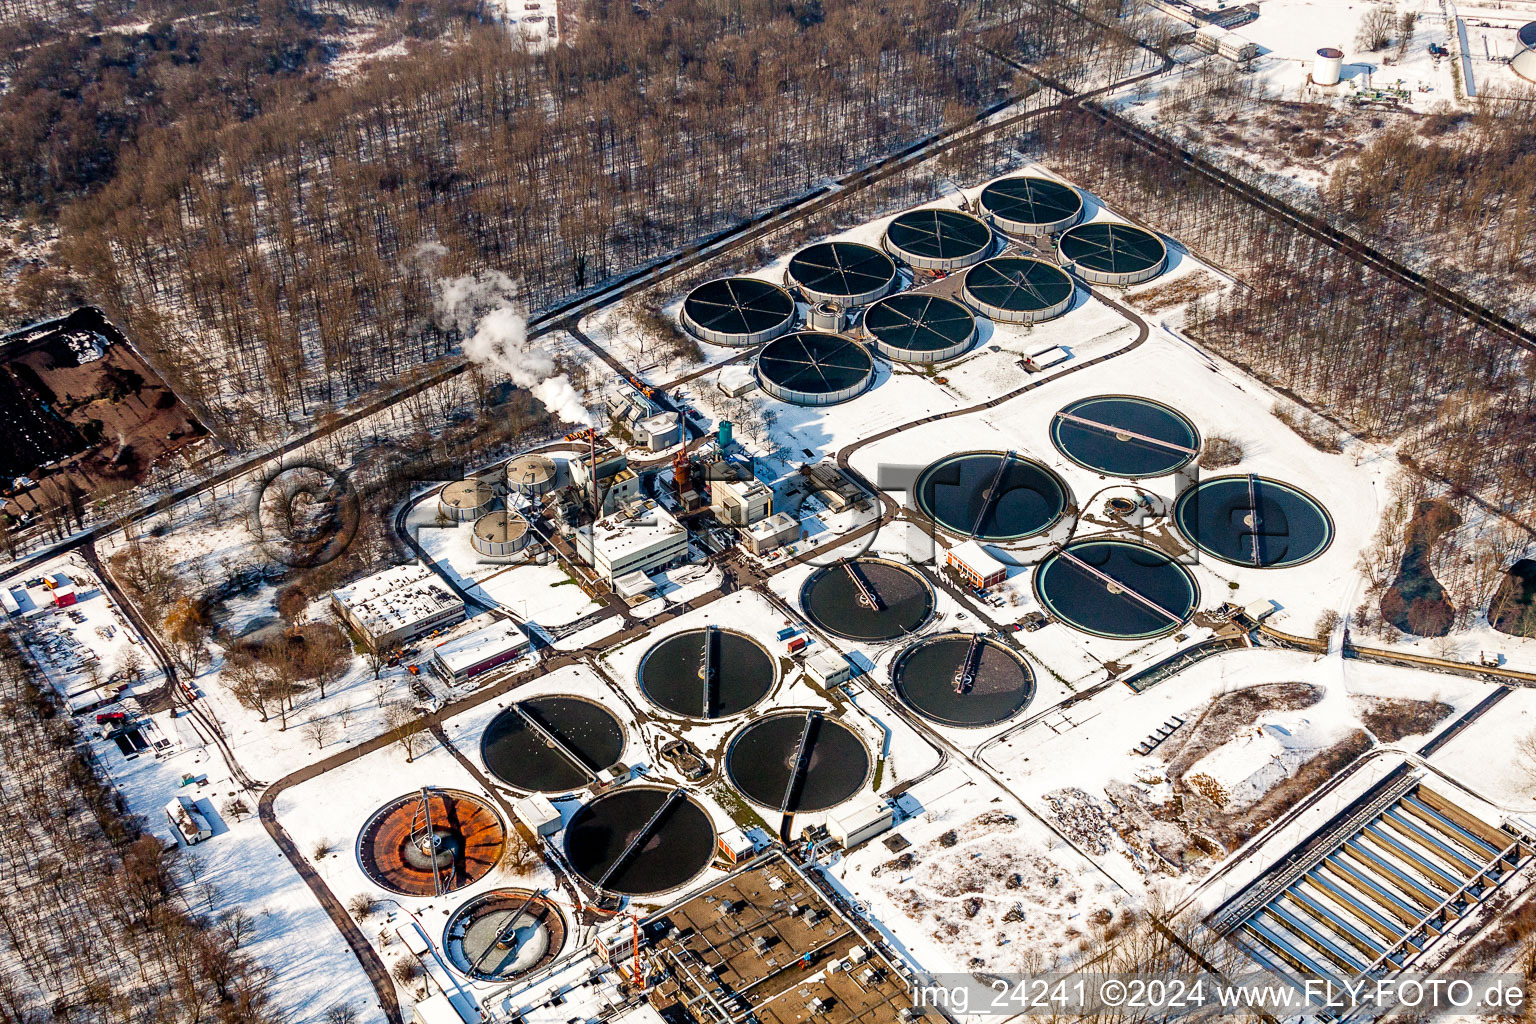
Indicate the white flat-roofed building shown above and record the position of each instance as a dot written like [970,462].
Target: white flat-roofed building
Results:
[399,604]
[828,668]
[976,565]
[777,530]
[461,659]
[640,537]
[740,502]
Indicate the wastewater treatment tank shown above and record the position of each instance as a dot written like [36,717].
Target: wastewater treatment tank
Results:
[1116,589]
[1025,205]
[738,311]
[1125,436]
[430,842]
[797,761]
[963,679]
[847,273]
[867,599]
[552,744]
[503,934]
[916,327]
[1253,521]
[992,496]
[938,239]
[1108,252]
[707,673]
[465,500]
[640,840]
[1018,290]
[809,368]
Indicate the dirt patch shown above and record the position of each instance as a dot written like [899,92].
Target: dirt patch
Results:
[1392,718]
[1178,292]
[81,413]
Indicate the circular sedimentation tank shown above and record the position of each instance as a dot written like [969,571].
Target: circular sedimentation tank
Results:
[1253,521]
[1108,252]
[916,327]
[1116,589]
[797,761]
[552,744]
[867,599]
[1018,289]
[531,475]
[963,679]
[640,840]
[707,673]
[807,368]
[992,496]
[503,934]
[738,311]
[500,533]
[938,239]
[847,273]
[1026,205]
[1125,436]
[465,500]
[430,841]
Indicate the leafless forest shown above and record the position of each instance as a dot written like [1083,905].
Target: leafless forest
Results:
[99,924]
[273,265]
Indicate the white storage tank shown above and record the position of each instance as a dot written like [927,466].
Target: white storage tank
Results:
[465,500]
[1327,66]
[828,316]
[1524,63]
[531,475]
[500,534]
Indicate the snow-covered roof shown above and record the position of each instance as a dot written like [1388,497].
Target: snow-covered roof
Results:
[633,584]
[973,554]
[638,527]
[480,645]
[396,597]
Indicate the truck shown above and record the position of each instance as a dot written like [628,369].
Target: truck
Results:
[187,820]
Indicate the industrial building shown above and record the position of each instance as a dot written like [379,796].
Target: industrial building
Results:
[607,472]
[659,432]
[500,534]
[1524,63]
[1108,252]
[847,273]
[976,565]
[397,605]
[459,660]
[772,533]
[738,311]
[735,381]
[833,487]
[858,824]
[1225,43]
[465,500]
[918,327]
[938,239]
[641,537]
[1376,887]
[532,475]
[766,944]
[1027,206]
[740,502]
[1018,290]
[828,668]
[807,368]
